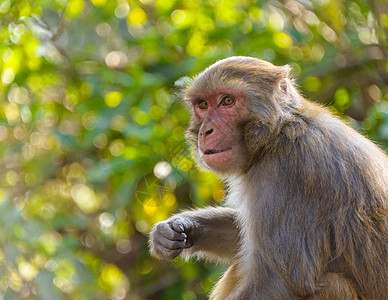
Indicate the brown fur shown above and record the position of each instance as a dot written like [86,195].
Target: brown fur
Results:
[308,195]
[227,284]
[336,287]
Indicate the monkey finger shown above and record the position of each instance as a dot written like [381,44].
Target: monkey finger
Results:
[166,253]
[179,226]
[171,234]
[188,243]
[171,244]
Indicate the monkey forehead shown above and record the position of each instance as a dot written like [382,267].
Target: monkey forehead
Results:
[238,73]
[243,62]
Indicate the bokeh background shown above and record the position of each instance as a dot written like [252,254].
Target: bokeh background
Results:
[91,131]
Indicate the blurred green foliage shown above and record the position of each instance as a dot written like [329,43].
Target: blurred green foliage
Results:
[92,149]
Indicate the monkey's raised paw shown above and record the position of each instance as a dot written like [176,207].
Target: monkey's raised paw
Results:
[169,238]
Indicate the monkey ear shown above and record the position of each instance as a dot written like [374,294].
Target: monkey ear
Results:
[285,82]
[287,92]
[285,85]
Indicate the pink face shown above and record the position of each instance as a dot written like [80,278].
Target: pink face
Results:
[221,143]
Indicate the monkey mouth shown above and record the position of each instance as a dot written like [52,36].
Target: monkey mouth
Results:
[214,151]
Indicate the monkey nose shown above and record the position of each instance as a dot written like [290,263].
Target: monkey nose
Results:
[210,131]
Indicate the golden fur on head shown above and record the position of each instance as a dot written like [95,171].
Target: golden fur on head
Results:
[245,73]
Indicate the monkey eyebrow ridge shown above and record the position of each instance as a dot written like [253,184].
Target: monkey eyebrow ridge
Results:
[197,100]
[225,91]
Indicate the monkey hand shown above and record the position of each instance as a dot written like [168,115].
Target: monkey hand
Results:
[169,238]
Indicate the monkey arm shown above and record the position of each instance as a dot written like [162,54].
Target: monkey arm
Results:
[214,235]
[208,232]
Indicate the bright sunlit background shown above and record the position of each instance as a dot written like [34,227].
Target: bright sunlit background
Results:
[92,152]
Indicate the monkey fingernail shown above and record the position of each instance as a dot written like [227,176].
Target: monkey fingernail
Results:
[181,227]
[185,235]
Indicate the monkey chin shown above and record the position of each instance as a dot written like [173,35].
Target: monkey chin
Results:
[220,161]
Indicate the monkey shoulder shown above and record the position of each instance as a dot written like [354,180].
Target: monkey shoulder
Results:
[317,129]
[319,150]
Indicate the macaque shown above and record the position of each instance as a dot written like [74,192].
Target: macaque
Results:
[306,208]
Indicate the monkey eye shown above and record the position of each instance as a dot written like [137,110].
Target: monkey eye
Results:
[227,101]
[203,105]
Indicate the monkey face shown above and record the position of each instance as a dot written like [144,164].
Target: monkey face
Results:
[220,141]
[225,99]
